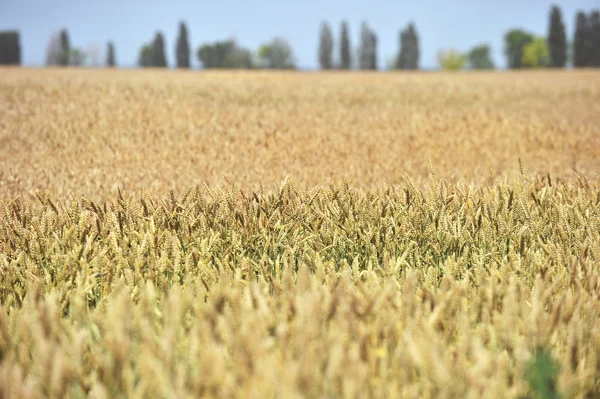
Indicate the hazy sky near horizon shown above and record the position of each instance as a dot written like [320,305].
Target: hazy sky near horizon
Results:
[441,24]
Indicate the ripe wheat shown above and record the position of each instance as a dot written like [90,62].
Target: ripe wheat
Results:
[400,259]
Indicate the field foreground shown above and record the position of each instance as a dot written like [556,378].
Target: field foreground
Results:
[471,278]
[448,292]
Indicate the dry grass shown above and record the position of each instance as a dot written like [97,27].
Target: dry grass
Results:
[379,286]
[85,132]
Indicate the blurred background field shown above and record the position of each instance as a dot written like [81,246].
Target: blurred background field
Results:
[86,132]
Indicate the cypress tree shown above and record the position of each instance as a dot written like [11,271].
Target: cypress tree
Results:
[595,38]
[159,58]
[10,48]
[110,55]
[373,52]
[325,47]
[345,58]
[363,50]
[183,47]
[65,48]
[409,54]
[368,48]
[413,48]
[401,58]
[557,39]
[580,47]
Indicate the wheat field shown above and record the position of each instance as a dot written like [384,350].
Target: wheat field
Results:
[89,132]
[286,235]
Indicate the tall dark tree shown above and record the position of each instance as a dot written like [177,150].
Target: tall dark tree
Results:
[409,54]
[65,48]
[325,47]
[580,41]
[557,39]
[10,48]
[515,41]
[373,62]
[368,48]
[595,38]
[111,60]
[401,58]
[182,49]
[159,58]
[345,57]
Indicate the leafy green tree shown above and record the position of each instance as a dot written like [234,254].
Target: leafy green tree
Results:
[159,57]
[536,54]
[182,50]
[557,39]
[214,55]
[65,48]
[580,41]
[10,48]
[224,54]
[277,54]
[111,60]
[515,41]
[451,60]
[145,56]
[480,58]
[345,57]
[325,47]
[595,38]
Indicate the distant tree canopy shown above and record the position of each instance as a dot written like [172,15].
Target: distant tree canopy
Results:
[325,47]
[515,41]
[479,57]
[408,55]
[159,57]
[367,51]
[536,54]
[224,54]
[182,49]
[10,48]
[111,58]
[557,39]
[345,53]
[521,48]
[277,54]
[451,60]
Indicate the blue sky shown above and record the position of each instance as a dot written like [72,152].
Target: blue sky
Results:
[441,24]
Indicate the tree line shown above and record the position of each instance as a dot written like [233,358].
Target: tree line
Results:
[521,48]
